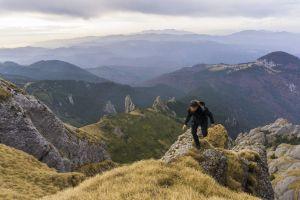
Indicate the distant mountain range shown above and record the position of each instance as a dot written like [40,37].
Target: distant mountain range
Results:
[160,50]
[129,75]
[243,95]
[47,70]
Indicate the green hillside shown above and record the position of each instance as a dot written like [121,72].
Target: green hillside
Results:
[80,103]
[142,134]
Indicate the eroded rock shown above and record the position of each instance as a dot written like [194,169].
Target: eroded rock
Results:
[29,125]
[129,105]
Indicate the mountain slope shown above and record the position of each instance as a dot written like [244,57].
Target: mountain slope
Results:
[80,103]
[243,96]
[140,134]
[127,74]
[152,180]
[188,176]
[29,125]
[49,70]
[23,177]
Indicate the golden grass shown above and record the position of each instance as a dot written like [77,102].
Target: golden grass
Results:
[152,179]
[90,132]
[218,136]
[97,168]
[22,177]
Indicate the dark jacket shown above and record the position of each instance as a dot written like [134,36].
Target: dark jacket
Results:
[200,116]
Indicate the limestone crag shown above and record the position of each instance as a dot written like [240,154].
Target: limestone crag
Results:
[281,139]
[129,105]
[29,125]
[161,106]
[109,109]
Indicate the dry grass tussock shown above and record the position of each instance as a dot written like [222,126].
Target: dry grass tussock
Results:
[22,177]
[218,136]
[152,179]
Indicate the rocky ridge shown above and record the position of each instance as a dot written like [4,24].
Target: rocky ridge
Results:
[29,125]
[241,168]
[282,141]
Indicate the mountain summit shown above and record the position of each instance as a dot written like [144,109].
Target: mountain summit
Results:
[281,58]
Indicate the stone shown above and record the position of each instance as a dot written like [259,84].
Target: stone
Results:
[160,106]
[129,105]
[109,109]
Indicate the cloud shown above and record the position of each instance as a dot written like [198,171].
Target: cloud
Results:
[200,8]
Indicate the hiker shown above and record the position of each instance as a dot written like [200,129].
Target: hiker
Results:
[199,114]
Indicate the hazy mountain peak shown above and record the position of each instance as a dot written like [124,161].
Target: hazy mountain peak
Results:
[167,31]
[281,58]
[10,63]
[45,63]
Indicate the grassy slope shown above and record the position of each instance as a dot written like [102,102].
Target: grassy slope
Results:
[23,177]
[141,135]
[152,180]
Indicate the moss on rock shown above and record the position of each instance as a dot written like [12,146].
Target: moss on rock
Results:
[218,136]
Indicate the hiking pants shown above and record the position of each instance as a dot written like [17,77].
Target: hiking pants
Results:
[204,131]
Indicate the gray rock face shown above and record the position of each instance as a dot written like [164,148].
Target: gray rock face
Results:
[181,147]
[29,125]
[283,159]
[129,105]
[273,134]
[110,109]
[215,163]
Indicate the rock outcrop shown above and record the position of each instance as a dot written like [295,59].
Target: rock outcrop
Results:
[129,105]
[29,125]
[160,106]
[281,139]
[241,169]
[109,109]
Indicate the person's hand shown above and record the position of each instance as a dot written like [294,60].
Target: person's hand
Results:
[184,127]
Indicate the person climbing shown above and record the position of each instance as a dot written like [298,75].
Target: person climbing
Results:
[199,114]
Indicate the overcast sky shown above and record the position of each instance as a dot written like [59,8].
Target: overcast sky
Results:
[23,22]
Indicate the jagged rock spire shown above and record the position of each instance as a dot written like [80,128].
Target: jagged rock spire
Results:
[160,106]
[129,105]
[109,109]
